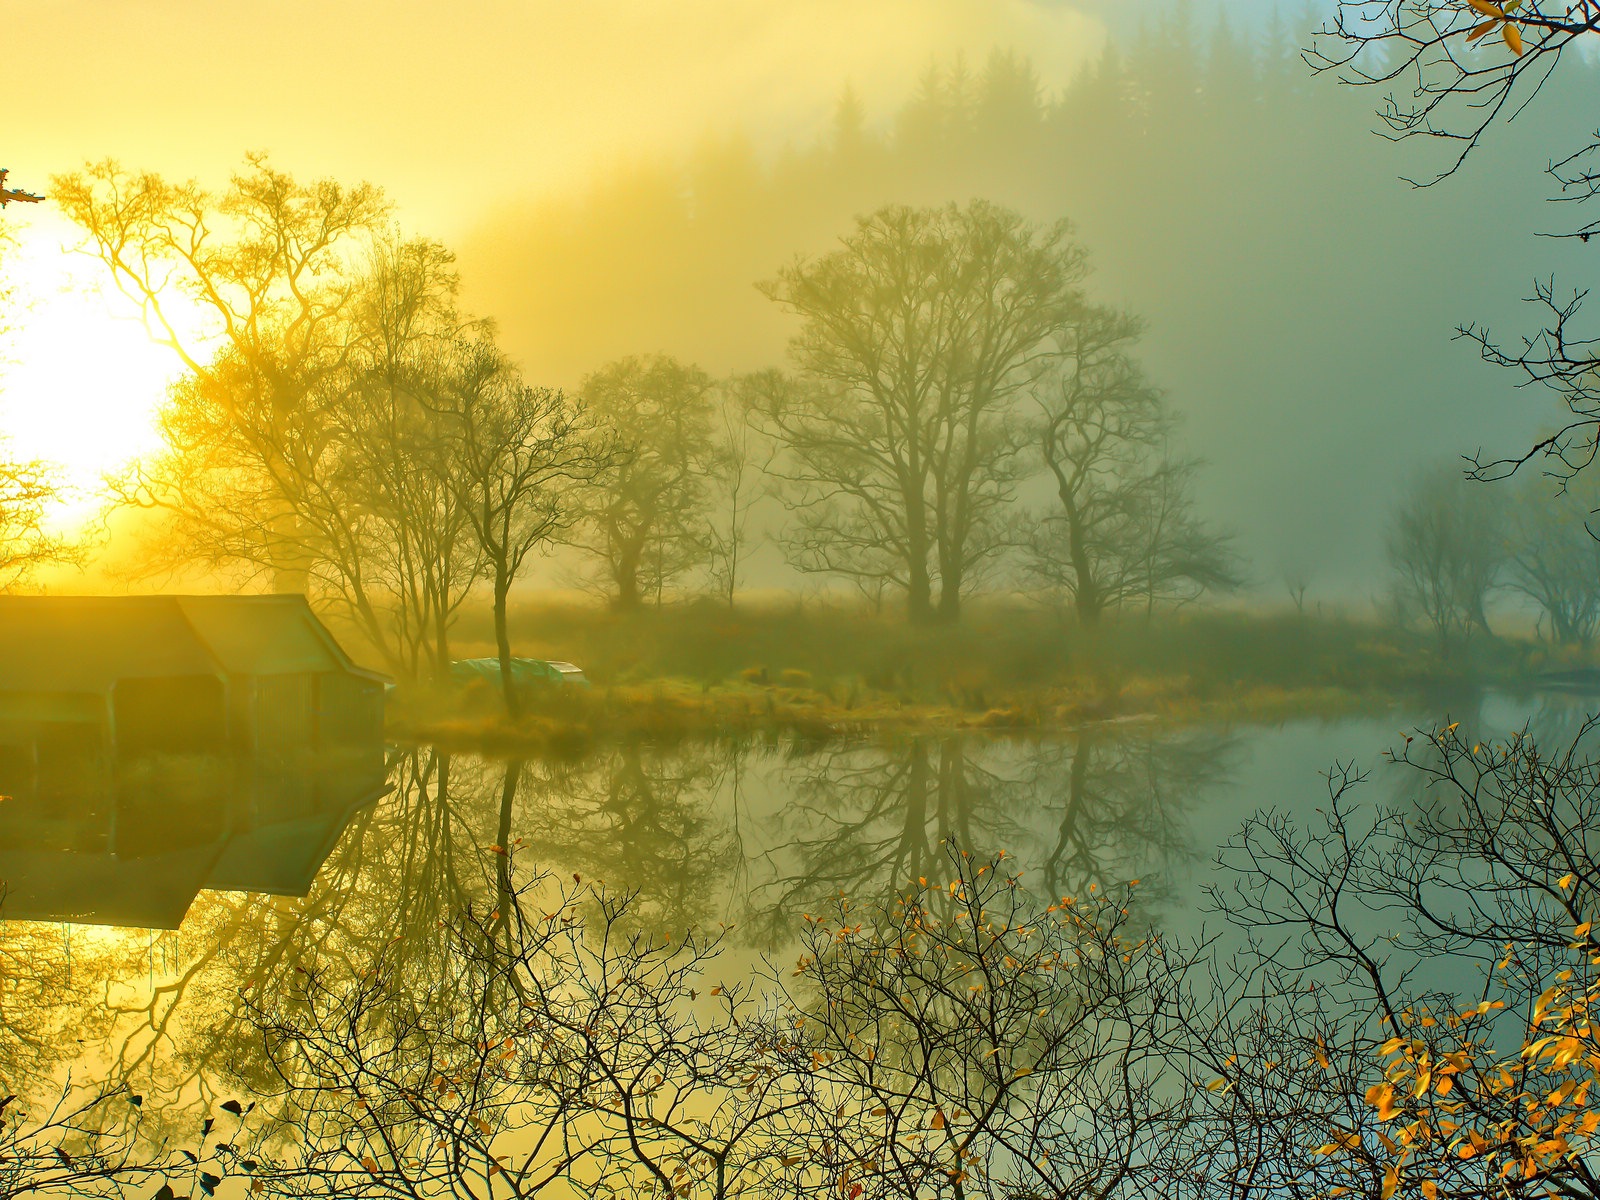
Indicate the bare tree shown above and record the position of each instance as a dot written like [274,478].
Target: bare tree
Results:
[901,446]
[27,489]
[1125,527]
[1296,578]
[644,516]
[269,260]
[1552,556]
[1446,550]
[1450,70]
[301,445]
[516,457]
[1445,939]
[741,459]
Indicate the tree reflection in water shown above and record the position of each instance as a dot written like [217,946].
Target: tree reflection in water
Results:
[387,993]
[1098,809]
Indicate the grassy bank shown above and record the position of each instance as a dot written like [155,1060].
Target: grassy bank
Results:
[822,673]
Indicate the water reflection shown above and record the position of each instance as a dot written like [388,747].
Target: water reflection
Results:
[1096,809]
[133,846]
[659,823]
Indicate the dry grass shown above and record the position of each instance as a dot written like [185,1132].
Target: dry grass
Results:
[820,674]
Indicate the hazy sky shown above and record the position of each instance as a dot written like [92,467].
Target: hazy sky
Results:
[451,107]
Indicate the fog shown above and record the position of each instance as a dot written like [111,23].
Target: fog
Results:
[1301,296]
[617,177]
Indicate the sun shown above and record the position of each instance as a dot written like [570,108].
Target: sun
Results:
[80,377]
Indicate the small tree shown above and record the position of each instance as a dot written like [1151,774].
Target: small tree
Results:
[516,457]
[1446,552]
[644,512]
[739,462]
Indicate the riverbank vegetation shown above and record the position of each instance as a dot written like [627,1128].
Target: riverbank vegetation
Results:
[830,671]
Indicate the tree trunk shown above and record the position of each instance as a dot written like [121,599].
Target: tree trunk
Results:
[441,636]
[1086,594]
[502,640]
[626,577]
[919,587]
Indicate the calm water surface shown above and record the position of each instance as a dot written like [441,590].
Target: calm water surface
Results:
[142,925]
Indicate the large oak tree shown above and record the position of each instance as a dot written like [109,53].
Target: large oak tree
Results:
[917,334]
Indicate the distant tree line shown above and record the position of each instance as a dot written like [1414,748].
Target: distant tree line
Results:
[1455,545]
[345,429]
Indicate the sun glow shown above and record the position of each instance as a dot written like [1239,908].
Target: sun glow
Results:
[80,377]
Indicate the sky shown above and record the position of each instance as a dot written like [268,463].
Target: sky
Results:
[454,107]
[465,112]
[455,110]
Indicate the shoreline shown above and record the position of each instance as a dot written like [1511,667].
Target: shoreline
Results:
[675,710]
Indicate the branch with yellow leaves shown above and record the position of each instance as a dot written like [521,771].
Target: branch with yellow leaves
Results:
[1455,67]
[1440,953]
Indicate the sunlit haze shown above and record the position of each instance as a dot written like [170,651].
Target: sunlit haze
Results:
[80,376]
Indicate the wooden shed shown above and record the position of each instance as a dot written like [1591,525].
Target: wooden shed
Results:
[85,680]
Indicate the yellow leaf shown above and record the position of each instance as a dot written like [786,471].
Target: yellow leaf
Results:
[1391,1180]
[1565,881]
[1508,31]
[1480,29]
[1381,1097]
[1488,10]
[938,1120]
[1581,930]
[1430,1189]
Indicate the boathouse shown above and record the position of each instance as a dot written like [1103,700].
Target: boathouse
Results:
[88,679]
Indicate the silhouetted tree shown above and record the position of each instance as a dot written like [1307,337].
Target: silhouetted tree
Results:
[1125,526]
[516,457]
[303,448]
[1446,550]
[1552,556]
[739,460]
[27,489]
[644,518]
[916,336]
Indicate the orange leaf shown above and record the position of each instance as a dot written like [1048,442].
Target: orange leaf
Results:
[1381,1097]
[1508,31]
[1489,10]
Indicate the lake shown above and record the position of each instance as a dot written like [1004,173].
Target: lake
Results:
[155,925]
